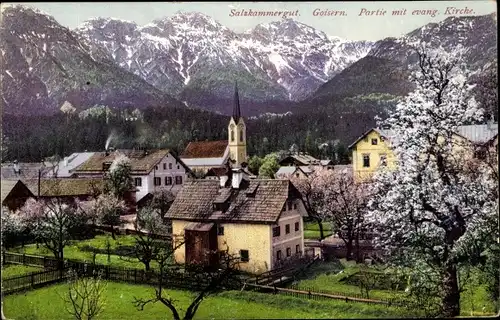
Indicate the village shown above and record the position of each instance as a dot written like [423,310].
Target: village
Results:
[211,211]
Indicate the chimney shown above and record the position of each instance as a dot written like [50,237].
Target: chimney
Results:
[236,179]
[223,180]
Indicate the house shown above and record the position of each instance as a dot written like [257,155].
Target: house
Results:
[201,156]
[14,194]
[372,150]
[63,168]
[288,172]
[151,170]
[300,159]
[66,189]
[259,220]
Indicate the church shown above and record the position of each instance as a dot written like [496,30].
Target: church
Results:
[204,156]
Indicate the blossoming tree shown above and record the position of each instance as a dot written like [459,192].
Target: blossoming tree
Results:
[428,208]
[53,222]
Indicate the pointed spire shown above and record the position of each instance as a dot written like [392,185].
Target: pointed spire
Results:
[236,107]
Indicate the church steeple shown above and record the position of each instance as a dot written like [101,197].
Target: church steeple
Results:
[236,106]
[237,140]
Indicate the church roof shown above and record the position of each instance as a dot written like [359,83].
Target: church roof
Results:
[236,106]
[205,149]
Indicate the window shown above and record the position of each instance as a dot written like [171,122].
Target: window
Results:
[297,248]
[278,255]
[164,166]
[366,161]
[383,160]
[178,167]
[276,231]
[297,175]
[290,205]
[295,206]
[288,252]
[157,181]
[382,138]
[244,255]
[232,135]
[170,166]
[374,142]
[156,167]
[178,180]
[241,135]
[287,229]
[138,182]
[168,181]
[297,226]
[220,230]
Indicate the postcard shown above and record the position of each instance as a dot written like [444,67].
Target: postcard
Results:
[234,159]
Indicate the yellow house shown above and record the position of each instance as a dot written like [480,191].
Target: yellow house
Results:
[372,150]
[258,220]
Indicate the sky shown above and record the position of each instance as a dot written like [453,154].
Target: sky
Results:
[354,24]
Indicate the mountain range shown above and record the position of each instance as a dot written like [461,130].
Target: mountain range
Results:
[191,60]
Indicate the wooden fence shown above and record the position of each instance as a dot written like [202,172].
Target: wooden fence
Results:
[173,278]
[317,294]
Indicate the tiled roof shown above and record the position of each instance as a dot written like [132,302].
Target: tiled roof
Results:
[140,161]
[195,201]
[65,186]
[205,149]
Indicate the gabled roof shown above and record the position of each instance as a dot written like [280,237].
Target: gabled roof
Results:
[9,185]
[141,162]
[205,149]
[195,201]
[476,133]
[64,187]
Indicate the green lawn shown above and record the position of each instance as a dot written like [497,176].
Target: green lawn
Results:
[12,270]
[229,305]
[82,250]
[327,277]
[311,230]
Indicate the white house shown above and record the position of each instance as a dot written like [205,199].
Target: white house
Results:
[151,170]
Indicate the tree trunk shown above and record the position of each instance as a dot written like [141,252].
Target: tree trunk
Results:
[113,232]
[147,265]
[348,247]
[321,231]
[451,297]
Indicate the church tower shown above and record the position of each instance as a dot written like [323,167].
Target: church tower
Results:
[237,139]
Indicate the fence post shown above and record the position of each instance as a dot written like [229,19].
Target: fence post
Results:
[309,294]
[32,280]
[24,258]
[135,275]
[44,261]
